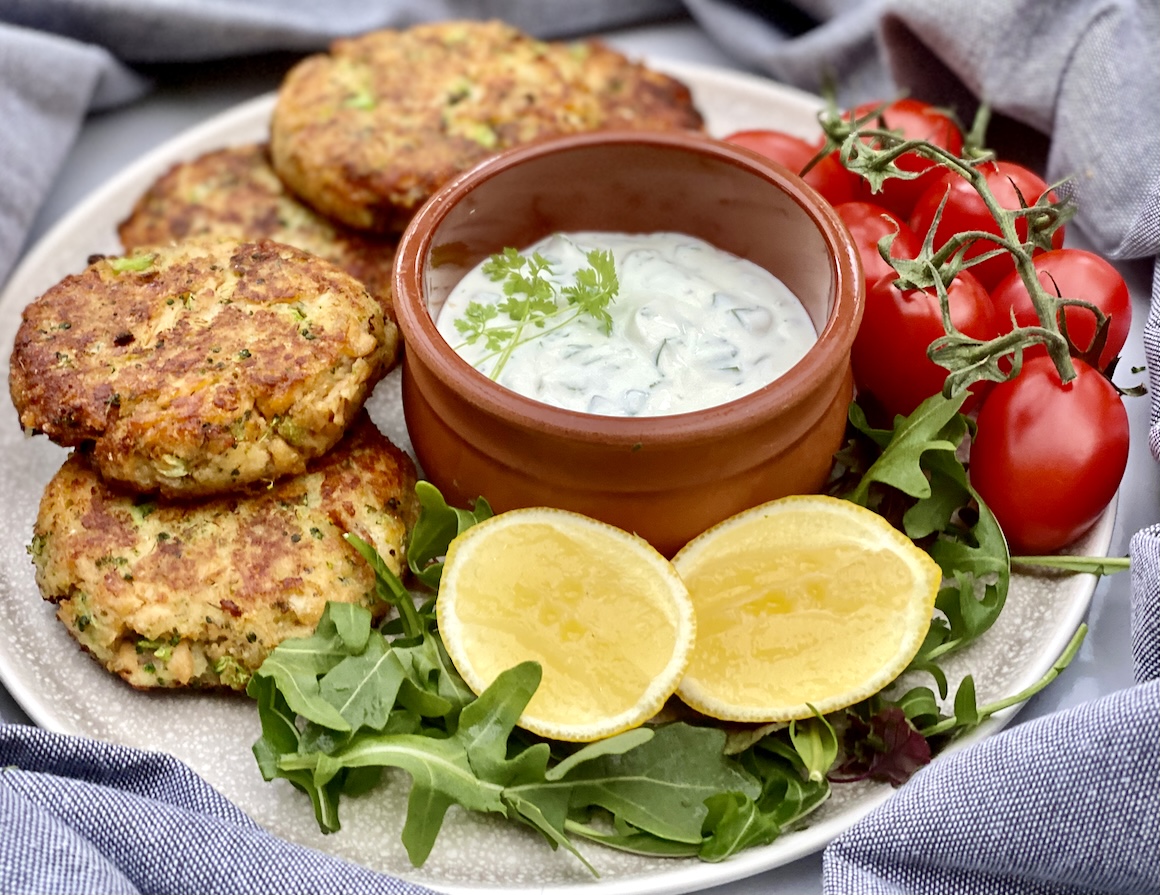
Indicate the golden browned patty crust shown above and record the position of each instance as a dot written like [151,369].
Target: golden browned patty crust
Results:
[197,593]
[199,367]
[367,132]
[234,193]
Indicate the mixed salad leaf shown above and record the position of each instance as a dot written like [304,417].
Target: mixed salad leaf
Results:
[340,706]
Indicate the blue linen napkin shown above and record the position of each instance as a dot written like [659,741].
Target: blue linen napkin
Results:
[80,816]
[47,84]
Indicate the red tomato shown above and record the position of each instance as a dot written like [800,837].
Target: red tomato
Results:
[965,210]
[1072,273]
[1047,457]
[889,356]
[915,120]
[868,223]
[828,177]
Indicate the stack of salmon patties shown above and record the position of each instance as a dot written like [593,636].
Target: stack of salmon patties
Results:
[213,393]
[211,380]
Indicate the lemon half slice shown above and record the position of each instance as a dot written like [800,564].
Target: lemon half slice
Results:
[803,601]
[605,615]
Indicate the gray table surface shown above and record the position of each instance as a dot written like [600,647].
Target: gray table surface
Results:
[111,140]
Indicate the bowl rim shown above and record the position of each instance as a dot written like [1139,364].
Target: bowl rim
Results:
[422,338]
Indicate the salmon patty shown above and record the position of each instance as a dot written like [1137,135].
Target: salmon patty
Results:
[197,368]
[234,192]
[367,132]
[197,593]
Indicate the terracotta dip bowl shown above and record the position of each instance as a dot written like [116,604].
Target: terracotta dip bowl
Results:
[667,478]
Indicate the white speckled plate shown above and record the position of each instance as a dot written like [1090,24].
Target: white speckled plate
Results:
[64,690]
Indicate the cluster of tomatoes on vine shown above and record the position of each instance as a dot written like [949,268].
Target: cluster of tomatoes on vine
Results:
[964,264]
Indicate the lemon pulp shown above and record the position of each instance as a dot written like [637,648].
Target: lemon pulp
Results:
[802,603]
[604,614]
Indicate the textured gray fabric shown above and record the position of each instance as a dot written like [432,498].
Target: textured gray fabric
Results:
[47,84]
[1145,552]
[840,50]
[179,30]
[1064,804]
[1061,805]
[80,816]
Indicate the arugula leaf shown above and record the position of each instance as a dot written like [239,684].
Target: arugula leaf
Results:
[433,687]
[931,427]
[363,687]
[920,706]
[296,664]
[544,805]
[789,798]
[438,525]
[660,787]
[787,789]
[967,715]
[735,823]
[950,494]
[613,745]
[554,830]
[280,737]
[816,743]
[976,566]
[662,792]
[624,838]
[468,768]
[388,587]
[279,732]
[1092,565]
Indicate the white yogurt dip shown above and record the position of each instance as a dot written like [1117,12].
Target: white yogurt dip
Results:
[692,327]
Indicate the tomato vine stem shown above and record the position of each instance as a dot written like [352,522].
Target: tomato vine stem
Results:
[872,152]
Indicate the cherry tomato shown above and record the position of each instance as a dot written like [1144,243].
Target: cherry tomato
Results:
[889,356]
[828,177]
[965,210]
[915,120]
[1072,273]
[868,223]
[1047,458]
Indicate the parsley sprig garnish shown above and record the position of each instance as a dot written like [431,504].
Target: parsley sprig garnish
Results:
[532,301]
